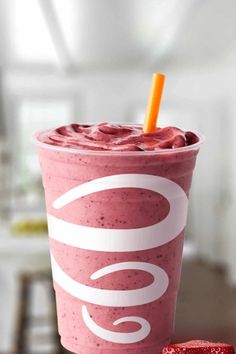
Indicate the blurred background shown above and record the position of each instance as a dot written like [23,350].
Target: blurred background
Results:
[82,60]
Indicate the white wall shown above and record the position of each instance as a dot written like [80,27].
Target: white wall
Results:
[101,96]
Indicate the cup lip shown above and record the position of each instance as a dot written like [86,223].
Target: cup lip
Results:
[64,149]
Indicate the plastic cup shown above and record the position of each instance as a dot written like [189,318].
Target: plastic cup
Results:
[116,228]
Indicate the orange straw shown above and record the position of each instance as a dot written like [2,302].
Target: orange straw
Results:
[154,103]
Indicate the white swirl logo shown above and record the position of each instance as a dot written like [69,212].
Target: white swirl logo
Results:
[119,240]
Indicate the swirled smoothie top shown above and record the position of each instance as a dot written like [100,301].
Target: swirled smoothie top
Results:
[117,137]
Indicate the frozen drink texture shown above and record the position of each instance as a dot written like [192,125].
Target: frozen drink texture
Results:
[117,206]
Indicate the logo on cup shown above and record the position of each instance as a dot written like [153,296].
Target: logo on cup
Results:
[119,240]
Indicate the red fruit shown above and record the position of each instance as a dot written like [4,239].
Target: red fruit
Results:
[198,347]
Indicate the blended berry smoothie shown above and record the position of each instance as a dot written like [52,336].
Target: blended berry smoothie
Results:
[117,203]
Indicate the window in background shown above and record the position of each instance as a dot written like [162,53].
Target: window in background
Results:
[33,115]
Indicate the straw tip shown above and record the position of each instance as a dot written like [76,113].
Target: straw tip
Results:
[159,75]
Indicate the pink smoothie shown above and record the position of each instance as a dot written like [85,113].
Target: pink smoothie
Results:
[114,222]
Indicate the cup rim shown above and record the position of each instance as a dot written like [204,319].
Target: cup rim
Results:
[41,144]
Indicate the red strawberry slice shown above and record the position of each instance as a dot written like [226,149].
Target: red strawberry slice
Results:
[198,347]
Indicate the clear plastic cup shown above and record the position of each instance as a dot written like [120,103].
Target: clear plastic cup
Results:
[116,227]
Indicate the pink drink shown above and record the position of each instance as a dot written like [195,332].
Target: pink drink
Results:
[116,226]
